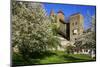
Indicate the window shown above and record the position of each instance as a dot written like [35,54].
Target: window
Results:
[75,31]
[75,23]
[72,24]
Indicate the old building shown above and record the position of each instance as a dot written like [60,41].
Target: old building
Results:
[71,28]
[76,25]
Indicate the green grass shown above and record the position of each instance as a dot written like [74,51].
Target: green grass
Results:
[55,57]
[61,57]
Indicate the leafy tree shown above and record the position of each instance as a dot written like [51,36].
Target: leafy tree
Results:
[31,28]
[70,49]
[87,40]
[54,23]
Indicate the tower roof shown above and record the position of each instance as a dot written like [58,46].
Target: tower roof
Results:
[60,11]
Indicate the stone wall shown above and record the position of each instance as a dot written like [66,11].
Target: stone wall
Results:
[76,26]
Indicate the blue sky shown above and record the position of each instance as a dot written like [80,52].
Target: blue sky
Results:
[69,9]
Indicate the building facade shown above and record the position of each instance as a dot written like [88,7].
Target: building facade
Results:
[76,25]
[71,28]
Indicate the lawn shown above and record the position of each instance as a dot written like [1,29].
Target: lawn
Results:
[49,58]
[61,57]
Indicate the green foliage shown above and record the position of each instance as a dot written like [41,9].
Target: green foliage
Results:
[31,28]
[87,40]
[18,59]
[54,24]
[69,49]
[54,28]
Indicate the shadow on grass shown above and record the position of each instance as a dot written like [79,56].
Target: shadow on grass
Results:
[33,58]
[41,55]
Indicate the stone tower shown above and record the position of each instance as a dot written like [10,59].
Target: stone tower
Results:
[76,25]
[60,15]
[61,22]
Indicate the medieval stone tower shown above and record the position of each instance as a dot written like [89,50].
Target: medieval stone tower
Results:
[76,25]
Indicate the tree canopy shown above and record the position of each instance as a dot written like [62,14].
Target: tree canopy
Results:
[31,28]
